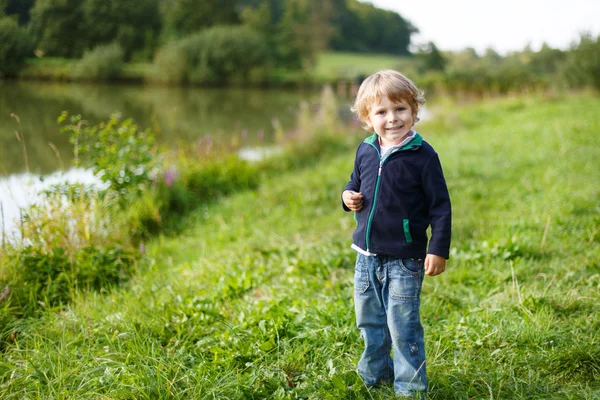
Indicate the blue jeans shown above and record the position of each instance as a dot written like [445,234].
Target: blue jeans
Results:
[387,292]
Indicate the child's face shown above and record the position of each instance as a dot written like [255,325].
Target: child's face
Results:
[391,120]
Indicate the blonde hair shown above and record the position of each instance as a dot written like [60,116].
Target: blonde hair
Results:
[391,84]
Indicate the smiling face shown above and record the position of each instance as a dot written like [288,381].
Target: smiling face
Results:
[391,120]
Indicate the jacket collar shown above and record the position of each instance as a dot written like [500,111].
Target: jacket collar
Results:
[414,144]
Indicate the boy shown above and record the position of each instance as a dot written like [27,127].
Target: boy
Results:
[397,190]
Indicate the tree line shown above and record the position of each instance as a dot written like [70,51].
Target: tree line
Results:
[517,71]
[291,32]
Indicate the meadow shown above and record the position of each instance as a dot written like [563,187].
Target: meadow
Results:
[254,299]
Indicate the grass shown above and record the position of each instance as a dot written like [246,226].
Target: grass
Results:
[331,66]
[255,300]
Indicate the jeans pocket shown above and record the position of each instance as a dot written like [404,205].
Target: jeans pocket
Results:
[361,277]
[404,280]
[412,265]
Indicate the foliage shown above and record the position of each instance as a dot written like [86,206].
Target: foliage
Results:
[72,240]
[429,58]
[582,66]
[15,46]
[102,63]
[188,184]
[135,26]
[360,29]
[184,17]
[214,56]
[55,23]
[90,23]
[121,154]
[17,7]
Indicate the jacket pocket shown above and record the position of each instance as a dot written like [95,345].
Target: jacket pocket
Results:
[406,226]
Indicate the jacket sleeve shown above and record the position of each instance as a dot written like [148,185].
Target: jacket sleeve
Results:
[440,211]
[354,183]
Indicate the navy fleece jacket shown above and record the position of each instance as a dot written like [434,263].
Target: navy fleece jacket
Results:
[403,194]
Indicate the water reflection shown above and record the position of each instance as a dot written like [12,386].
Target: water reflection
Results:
[174,113]
[20,191]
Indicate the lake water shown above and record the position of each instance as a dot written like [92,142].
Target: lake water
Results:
[175,114]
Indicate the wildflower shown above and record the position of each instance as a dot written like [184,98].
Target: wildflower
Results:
[170,176]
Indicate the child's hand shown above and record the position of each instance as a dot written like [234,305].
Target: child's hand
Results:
[434,265]
[352,200]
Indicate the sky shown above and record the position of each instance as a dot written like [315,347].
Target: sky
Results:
[504,25]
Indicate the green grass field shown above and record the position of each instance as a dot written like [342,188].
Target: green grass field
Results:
[331,66]
[255,301]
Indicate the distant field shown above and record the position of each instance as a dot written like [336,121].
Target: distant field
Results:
[335,65]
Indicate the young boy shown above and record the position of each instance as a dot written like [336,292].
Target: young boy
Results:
[397,190]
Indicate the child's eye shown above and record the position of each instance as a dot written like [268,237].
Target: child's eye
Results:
[401,108]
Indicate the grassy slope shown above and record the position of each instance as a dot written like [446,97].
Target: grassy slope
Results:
[336,65]
[256,301]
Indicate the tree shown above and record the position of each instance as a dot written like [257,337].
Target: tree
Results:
[303,31]
[361,29]
[184,17]
[17,7]
[66,28]
[582,66]
[429,58]
[57,27]
[15,46]
[135,26]
[547,60]
[295,30]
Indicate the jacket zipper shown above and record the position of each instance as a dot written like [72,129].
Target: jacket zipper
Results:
[372,212]
[370,220]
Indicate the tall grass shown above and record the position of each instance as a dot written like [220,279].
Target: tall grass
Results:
[254,300]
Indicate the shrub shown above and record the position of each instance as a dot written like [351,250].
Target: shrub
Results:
[121,154]
[104,62]
[15,46]
[214,56]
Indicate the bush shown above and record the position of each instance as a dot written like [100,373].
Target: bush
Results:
[121,154]
[15,46]
[217,55]
[582,67]
[104,62]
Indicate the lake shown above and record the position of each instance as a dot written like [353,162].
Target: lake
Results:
[175,114]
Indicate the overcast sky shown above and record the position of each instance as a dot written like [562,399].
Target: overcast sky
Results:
[503,25]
